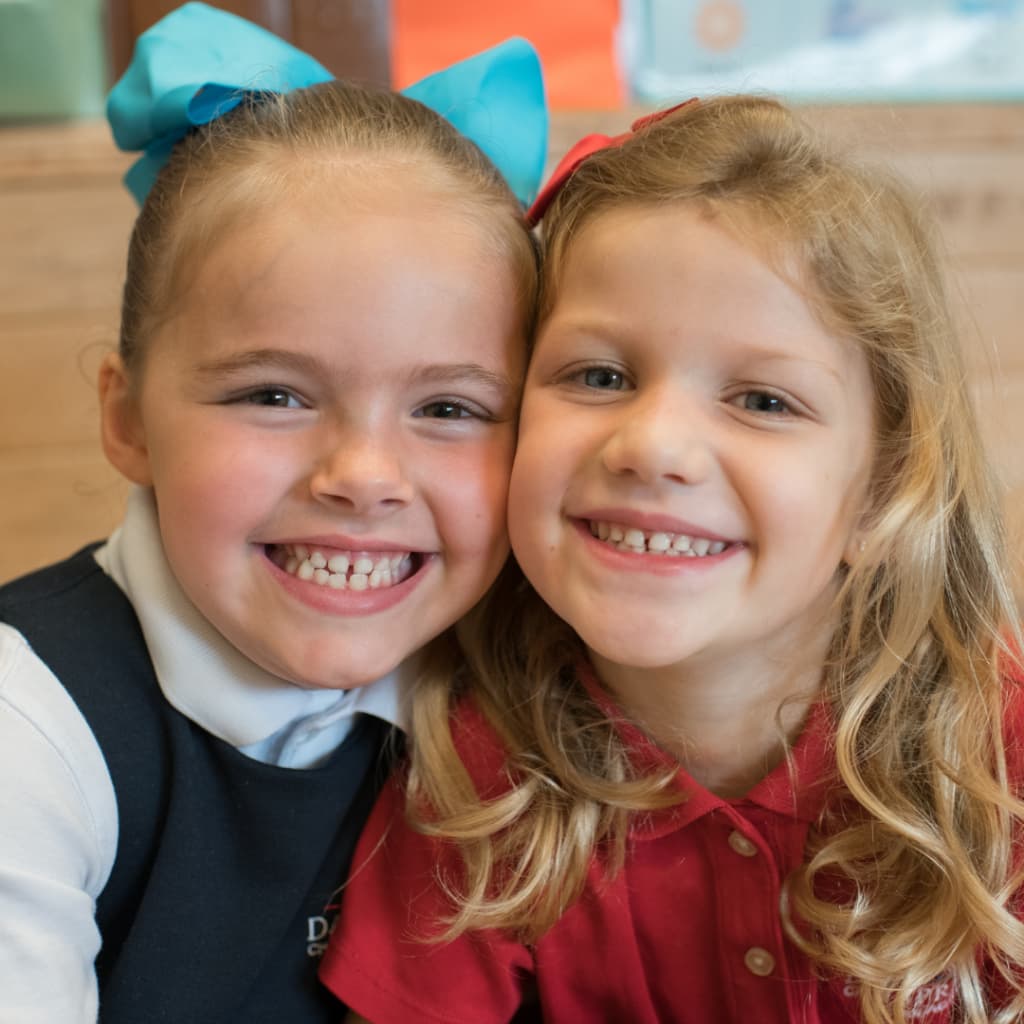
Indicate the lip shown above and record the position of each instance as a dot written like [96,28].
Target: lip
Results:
[649,562]
[350,603]
[649,521]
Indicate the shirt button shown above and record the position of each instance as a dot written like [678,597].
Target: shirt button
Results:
[742,845]
[759,961]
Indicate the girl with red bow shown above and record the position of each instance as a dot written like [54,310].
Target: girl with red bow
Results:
[740,738]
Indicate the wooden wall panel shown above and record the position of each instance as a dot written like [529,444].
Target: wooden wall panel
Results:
[351,38]
[55,499]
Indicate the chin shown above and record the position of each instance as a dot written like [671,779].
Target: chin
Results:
[630,655]
[338,673]
[350,680]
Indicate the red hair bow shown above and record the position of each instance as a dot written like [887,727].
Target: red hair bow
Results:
[588,145]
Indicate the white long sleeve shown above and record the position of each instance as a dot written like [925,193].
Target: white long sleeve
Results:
[58,840]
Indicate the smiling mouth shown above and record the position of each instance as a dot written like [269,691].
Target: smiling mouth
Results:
[654,542]
[345,570]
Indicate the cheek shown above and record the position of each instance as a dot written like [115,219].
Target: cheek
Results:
[211,497]
[533,520]
[811,513]
[470,495]
[215,499]
[550,463]
[536,456]
[192,456]
[524,507]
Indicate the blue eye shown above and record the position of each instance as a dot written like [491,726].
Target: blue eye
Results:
[765,402]
[603,378]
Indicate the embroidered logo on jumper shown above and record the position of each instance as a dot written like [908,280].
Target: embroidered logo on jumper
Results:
[319,928]
[318,931]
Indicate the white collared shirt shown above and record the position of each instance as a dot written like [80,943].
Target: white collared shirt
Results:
[58,811]
[213,683]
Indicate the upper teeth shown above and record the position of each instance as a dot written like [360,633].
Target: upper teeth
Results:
[342,570]
[627,538]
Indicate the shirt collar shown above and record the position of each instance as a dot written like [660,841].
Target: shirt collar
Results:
[203,676]
[796,788]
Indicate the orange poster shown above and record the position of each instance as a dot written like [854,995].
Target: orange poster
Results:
[575,39]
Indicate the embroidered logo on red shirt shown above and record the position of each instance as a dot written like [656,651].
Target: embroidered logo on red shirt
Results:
[931,1003]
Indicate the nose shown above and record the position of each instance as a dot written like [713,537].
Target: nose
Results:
[361,472]
[665,438]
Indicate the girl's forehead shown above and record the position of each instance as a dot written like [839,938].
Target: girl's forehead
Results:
[333,283]
[771,236]
[308,200]
[784,245]
[597,238]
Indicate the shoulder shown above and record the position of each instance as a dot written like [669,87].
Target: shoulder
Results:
[481,749]
[1011,671]
[31,693]
[70,612]
[1013,722]
[44,584]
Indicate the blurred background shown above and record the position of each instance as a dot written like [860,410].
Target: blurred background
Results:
[933,87]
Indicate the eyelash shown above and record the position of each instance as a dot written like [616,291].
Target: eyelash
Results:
[253,396]
[464,410]
[784,407]
[578,376]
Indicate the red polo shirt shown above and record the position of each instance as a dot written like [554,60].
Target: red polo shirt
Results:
[688,932]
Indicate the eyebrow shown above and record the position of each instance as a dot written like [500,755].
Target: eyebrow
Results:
[771,356]
[457,373]
[262,358]
[300,362]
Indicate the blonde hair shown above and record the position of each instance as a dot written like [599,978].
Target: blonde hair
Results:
[919,829]
[328,136]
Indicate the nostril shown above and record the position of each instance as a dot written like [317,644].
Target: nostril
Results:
[362,480]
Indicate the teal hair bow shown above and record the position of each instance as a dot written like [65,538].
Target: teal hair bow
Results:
[198,62]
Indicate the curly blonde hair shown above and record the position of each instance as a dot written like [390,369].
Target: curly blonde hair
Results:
[921,824]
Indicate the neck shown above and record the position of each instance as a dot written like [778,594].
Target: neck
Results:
[728,720]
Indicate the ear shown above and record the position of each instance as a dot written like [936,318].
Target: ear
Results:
[121,427]
[855,545]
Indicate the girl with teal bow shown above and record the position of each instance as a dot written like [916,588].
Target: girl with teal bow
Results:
[323,335]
